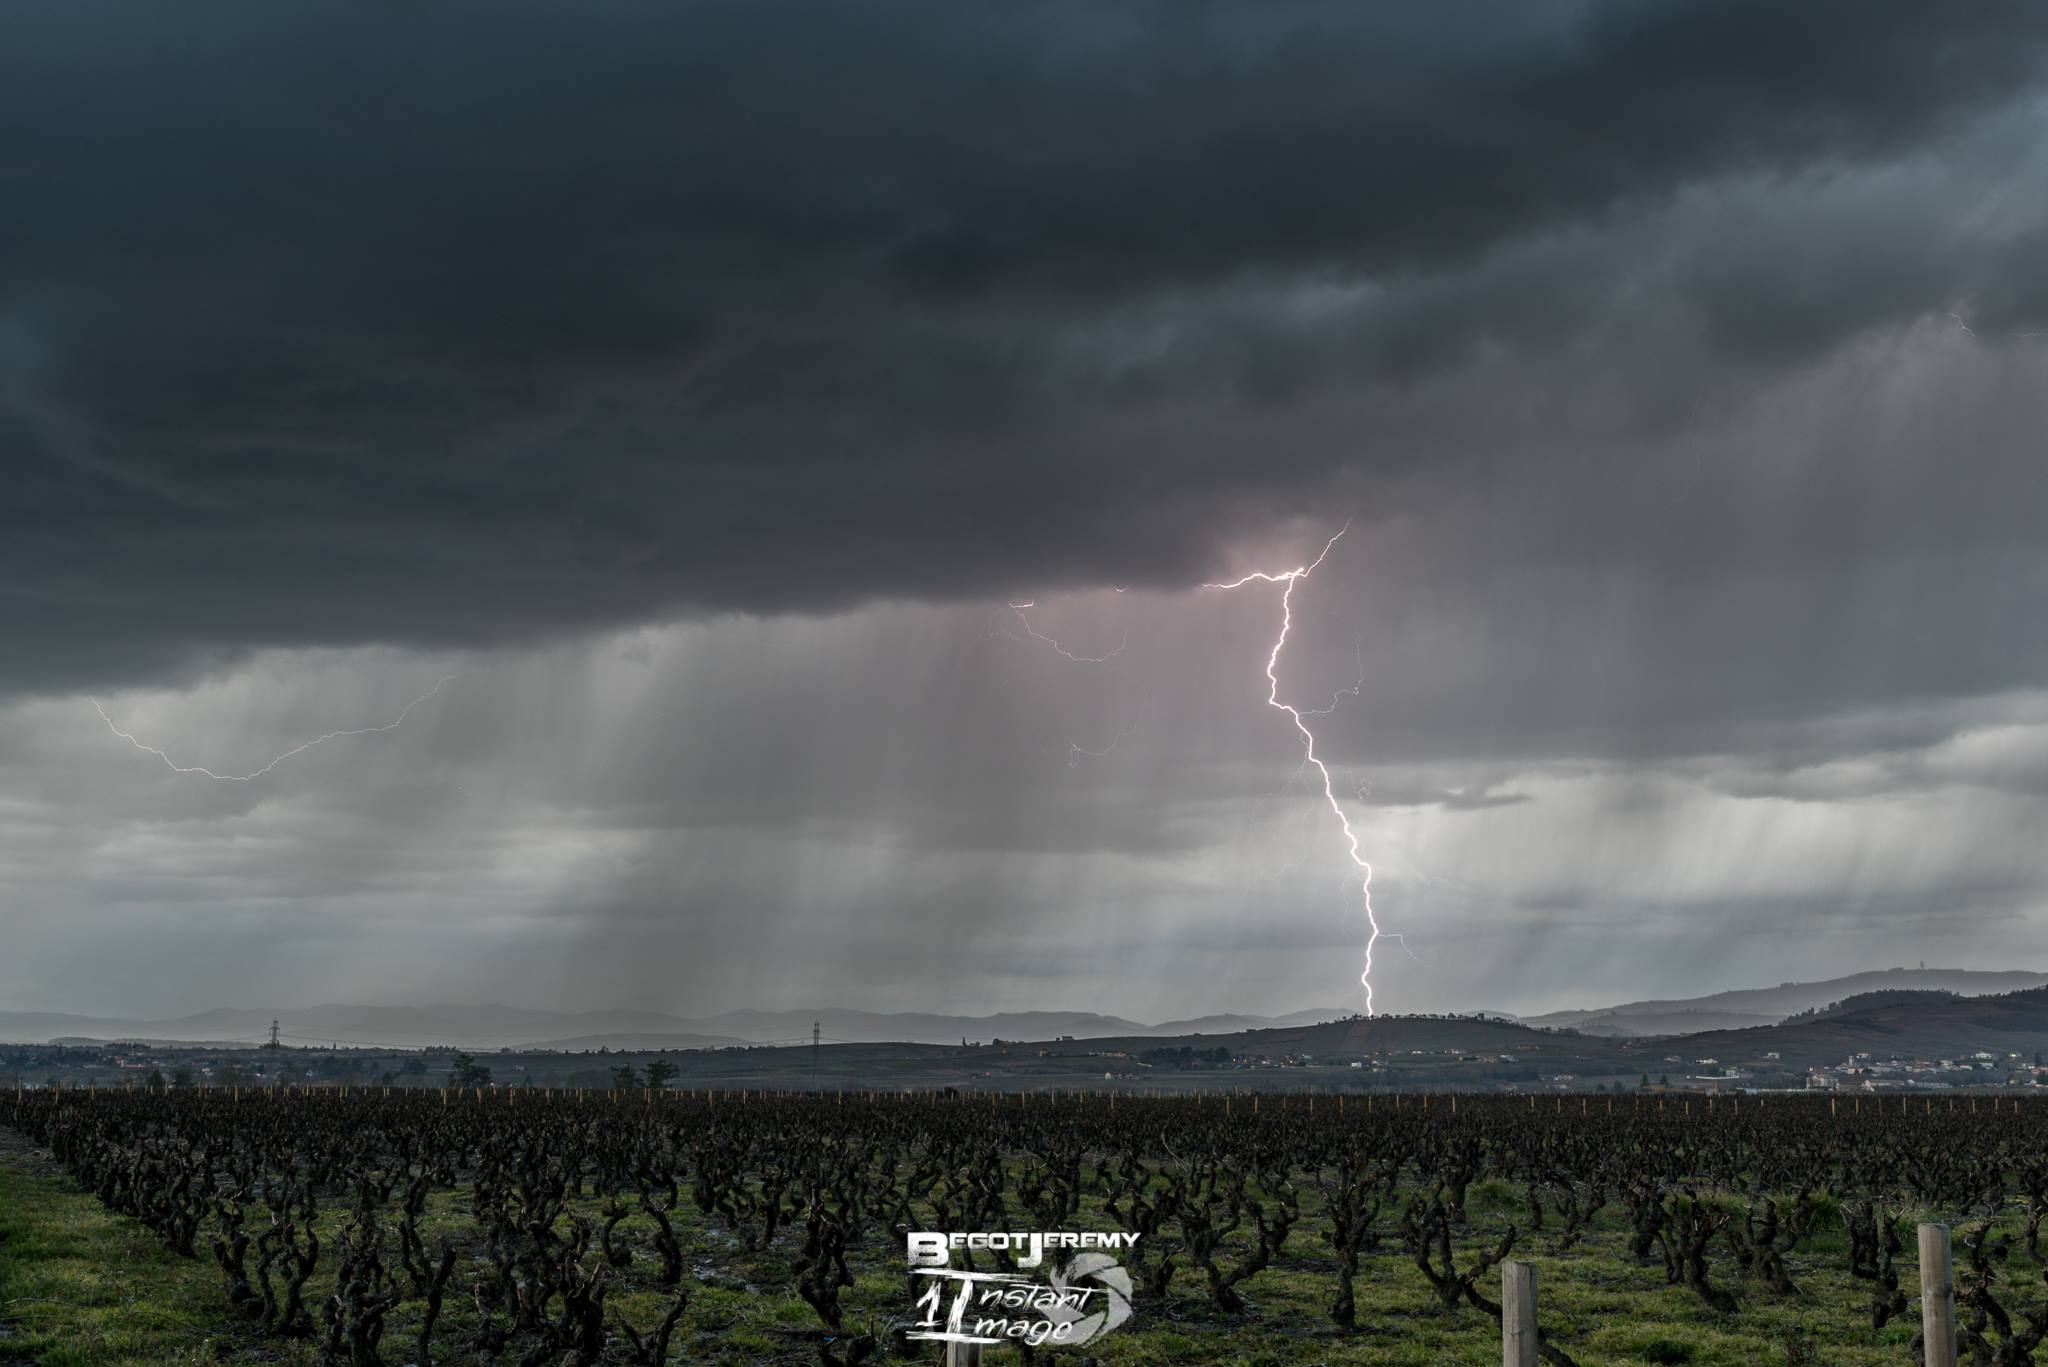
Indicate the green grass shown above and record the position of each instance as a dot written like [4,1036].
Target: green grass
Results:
[1595,1302]
[80,1286]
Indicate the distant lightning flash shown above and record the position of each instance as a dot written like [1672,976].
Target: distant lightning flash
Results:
[1342,693]
[300,749]
[1075,750]
[1035,634]
[1289,579]
[1402,941]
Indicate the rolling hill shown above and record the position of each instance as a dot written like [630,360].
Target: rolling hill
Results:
[492,1027]
[1745,1007]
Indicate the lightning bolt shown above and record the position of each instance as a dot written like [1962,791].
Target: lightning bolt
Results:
[300,749]
[1288,579]
[1402,941]
[1298,715]
[1035,634]
[1076,751]
[1338,697]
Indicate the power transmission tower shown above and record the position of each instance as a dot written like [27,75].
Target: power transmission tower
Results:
[814,1049]
[273,1037]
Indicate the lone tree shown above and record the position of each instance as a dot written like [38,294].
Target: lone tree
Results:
[661,1072]
[467,1072]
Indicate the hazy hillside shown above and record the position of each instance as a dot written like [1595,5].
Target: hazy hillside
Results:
[1870,1001]
[1902,992]
[1917,1027]
[627,1040]
[1485,1051]
[1745,1007]
[1356,1036]
[1231,1023]
[1621,1026]
[490,1027]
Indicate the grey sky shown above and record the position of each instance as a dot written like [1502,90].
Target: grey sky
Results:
[696,383]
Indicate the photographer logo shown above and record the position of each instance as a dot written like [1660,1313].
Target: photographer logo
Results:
[1085,1294]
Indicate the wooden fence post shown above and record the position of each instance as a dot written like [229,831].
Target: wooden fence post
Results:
[963,1355]
[1937,1297]
[1518,1315]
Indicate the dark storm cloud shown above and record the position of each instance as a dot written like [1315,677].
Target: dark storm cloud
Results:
[333,324]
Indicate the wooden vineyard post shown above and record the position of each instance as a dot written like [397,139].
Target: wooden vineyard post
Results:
[1937,1297]
[963,1355]
[1518,1315]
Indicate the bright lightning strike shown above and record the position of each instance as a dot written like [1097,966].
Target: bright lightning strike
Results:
[1297,715]
[300,749]
[1289,579]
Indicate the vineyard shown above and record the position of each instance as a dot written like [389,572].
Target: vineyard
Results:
[529,1226]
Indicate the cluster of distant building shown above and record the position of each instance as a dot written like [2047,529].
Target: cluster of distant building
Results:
[1864,1072]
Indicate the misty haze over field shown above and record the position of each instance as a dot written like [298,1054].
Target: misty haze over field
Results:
[1679,369]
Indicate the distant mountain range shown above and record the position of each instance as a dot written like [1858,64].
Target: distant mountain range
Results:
[1888,1022]
[1921,1025]
[1747,1007]
[491,1027]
